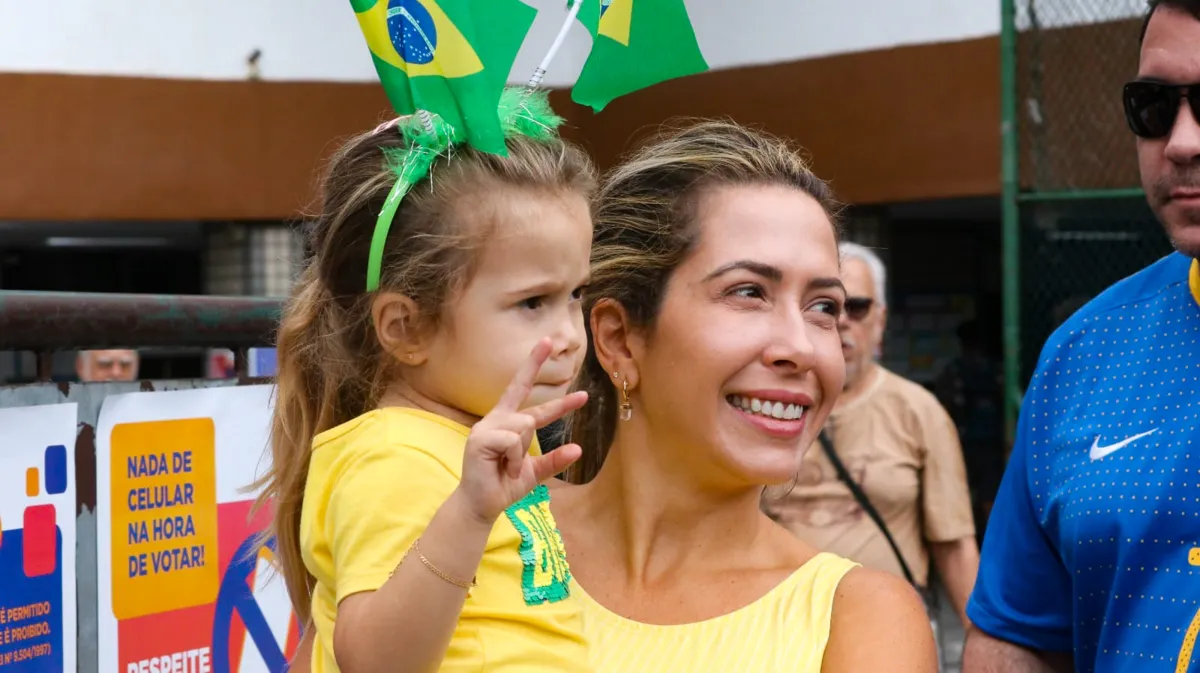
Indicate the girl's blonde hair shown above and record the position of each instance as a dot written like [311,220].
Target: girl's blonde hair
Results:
[644,225]
[331,367]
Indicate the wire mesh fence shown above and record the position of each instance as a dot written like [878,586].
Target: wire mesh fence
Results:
[1070,252]
[1072,58]
[1078,212]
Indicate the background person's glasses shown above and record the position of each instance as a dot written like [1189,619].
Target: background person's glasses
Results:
[857,308]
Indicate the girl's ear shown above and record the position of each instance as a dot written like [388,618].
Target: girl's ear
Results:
[399,327]
[618,346]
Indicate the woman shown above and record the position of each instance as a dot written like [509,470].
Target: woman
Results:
[715,359]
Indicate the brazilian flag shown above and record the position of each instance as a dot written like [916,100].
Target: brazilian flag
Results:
[635,44]
[449,57]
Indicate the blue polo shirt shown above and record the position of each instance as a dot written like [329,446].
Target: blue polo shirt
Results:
[1094,542]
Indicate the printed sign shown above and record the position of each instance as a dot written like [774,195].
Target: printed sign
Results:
[185,583]
[263,362]
[260,362]
[37,539]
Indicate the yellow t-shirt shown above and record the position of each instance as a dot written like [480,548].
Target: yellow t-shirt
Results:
[374,484]
[785,631]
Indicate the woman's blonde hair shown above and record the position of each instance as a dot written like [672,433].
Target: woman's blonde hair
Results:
[644,221]
[331,367]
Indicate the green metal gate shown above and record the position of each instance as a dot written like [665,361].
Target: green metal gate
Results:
[1074,217]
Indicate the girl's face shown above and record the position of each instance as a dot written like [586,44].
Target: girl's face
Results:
[526,285]
[744,362]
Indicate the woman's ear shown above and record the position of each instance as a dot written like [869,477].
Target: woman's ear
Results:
[618,345]
[399,327]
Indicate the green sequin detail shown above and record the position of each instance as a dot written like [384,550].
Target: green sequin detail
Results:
[545,578]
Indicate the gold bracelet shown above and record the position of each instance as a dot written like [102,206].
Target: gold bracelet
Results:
[456,582]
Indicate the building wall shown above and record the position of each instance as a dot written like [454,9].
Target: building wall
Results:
[131,110]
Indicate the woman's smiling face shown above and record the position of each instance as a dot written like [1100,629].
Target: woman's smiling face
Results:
[744,362]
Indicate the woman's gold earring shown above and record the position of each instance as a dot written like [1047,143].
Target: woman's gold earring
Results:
[626,407]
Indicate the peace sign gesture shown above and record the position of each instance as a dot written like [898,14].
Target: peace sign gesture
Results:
[497,467]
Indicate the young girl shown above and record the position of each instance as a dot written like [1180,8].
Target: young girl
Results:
[410,523]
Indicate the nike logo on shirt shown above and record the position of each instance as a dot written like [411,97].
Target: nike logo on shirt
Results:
[1099,452]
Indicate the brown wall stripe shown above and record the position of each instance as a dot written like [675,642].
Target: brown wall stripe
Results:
[909,123]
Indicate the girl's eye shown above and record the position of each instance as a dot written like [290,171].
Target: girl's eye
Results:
[533,303]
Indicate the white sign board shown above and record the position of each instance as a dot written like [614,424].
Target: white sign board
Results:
[37,539]
[182,588]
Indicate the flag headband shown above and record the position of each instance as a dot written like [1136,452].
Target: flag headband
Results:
[523,113]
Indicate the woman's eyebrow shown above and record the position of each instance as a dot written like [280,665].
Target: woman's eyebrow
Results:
[765,270]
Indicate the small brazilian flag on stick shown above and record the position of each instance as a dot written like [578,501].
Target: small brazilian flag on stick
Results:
[636,44]
[449,57]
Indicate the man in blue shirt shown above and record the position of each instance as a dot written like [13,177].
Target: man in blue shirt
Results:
[1091,560]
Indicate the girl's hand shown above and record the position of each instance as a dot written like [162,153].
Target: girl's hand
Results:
[497,467]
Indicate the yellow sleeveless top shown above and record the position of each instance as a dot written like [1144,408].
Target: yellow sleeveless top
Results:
[785,631]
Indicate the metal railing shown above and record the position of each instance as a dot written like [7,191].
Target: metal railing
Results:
[45,322]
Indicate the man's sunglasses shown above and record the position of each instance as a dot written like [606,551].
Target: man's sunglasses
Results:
[1151,107]
[857,308]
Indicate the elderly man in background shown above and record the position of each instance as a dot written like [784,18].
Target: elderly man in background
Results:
[891,441]
[107,365]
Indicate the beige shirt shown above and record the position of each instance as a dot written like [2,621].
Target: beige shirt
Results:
[902,448]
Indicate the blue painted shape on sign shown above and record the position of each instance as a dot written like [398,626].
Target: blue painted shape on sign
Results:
[56,469]
[35,635]
[236,595]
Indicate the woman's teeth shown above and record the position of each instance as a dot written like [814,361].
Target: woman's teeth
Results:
[771,409]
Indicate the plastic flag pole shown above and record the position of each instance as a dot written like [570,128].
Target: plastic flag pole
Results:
[538,74]
[427,121]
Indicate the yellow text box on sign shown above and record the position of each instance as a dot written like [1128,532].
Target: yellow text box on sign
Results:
[164,516]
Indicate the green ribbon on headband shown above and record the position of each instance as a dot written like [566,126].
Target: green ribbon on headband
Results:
[523,112]
[426,138]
